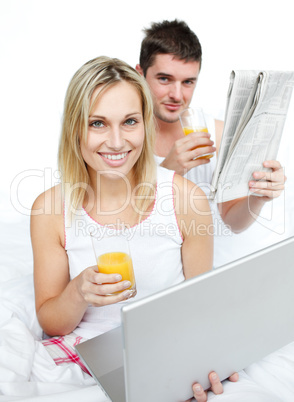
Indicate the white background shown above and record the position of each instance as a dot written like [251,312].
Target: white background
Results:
[43,43]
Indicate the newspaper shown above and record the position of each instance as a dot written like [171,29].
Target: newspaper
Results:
[256,110]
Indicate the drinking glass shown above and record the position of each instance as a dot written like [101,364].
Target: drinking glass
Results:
[193,121]
[113,256]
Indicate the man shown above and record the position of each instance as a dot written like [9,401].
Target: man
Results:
[170,60]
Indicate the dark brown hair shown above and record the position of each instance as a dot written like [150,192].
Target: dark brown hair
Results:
[169,37]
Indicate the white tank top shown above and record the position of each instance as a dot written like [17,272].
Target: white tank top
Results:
[155,249]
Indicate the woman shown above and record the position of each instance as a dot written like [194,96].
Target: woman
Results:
[109,177]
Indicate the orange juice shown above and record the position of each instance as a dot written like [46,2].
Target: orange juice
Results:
[117,263]
[189,130]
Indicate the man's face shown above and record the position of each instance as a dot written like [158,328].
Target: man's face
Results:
[172,83]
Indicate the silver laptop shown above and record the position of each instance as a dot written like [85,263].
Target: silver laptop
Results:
[223,320]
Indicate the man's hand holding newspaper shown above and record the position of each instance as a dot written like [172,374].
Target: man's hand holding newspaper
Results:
[270,184]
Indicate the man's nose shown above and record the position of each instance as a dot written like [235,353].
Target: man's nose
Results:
[176,92]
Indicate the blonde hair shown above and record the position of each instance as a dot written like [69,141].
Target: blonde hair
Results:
[103,72]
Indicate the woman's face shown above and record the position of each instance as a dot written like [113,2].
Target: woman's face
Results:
[115,132]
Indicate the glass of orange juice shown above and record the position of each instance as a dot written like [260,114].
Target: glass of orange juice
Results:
[113,256]
[193,121]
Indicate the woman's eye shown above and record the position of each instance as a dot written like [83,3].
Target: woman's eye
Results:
[97,124]
[130,122]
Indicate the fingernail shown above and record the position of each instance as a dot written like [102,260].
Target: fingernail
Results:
[198,389]
[118,278]
[127,294]
[214,377]
[127,284]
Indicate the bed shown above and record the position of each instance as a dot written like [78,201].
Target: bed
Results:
[27,372]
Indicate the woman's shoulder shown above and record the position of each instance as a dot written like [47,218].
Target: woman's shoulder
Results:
[188,197]
[186,186]
[50,202]
[47,214]
[47,217]
[48,211]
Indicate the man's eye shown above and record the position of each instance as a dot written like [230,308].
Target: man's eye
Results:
[97,124]
[189,82]
[163,80]
[130,122]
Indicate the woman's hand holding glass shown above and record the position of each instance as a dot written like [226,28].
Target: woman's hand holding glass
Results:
[112,280]
[100,289]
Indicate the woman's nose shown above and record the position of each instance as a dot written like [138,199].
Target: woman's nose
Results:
[115,139]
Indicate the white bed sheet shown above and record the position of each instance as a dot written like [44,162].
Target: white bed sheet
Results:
[27,372]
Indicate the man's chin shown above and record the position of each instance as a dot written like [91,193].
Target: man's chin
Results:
[167,119]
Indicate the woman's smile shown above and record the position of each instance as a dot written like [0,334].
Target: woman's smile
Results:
[114,159]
